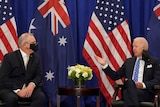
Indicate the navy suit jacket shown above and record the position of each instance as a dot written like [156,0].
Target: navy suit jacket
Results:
[151,74]
[13,74]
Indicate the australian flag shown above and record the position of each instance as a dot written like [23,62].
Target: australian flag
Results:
[52,28]
[153,31]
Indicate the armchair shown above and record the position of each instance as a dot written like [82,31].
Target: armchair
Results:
[120,103]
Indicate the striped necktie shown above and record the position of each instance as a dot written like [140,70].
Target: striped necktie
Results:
[136,71]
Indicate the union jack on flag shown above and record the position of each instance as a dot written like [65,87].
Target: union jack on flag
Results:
[58,12]
[157,10]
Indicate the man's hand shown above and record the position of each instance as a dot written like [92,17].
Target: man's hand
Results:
[27,91]
[100,60]
[22,93]
[139,85]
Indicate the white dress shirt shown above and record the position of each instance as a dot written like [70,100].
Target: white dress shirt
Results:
[25,58]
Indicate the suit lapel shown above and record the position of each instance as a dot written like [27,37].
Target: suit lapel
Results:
[30,62]
[145,67]
[20,58]
[132,66]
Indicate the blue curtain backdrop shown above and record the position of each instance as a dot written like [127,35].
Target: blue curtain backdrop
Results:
[138,13]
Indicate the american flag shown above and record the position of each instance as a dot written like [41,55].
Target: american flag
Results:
[108,36]
[8,30]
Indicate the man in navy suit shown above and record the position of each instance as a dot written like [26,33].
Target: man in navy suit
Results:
[20,74]
[141,88]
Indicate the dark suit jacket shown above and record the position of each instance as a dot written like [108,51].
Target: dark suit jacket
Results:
[13,74]
[132,95]
[151,74]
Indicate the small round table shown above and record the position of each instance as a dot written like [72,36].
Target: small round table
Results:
[78,92]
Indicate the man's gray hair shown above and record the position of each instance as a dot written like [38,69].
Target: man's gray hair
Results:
[143,41]
[24,38]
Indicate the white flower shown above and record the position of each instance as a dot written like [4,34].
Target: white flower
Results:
[85,74]
[77,74]
[90,77]
[69,72]
[80,72]
[77,70]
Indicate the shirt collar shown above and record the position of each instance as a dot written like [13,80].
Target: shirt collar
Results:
[23,53]
[139,57]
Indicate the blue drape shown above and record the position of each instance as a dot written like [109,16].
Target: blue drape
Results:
[138,13]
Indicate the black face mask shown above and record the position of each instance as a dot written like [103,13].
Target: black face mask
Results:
[34,47]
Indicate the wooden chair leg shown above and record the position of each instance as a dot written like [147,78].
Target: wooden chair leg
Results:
[108,105]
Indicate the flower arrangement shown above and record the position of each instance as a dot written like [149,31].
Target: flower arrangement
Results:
[80,72]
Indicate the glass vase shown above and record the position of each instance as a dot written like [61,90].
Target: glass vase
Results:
[79,83]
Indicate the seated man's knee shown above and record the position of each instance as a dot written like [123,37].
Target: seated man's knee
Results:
[12,99]
[42,97]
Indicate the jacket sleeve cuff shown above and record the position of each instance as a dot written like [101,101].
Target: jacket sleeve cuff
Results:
[16,91]
[105,66]
[144,86]
[33,84]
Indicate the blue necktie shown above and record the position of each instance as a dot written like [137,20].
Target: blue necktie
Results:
[136,72]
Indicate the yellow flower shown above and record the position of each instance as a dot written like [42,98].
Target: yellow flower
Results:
[80,72]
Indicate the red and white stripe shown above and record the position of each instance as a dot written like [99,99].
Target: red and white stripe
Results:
[115,47]
[8,37]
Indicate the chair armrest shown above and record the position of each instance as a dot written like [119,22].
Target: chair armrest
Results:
[157,87]
[157,93]
[117,87]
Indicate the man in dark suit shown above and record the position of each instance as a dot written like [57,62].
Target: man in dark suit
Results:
[20,74]
[138,87]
